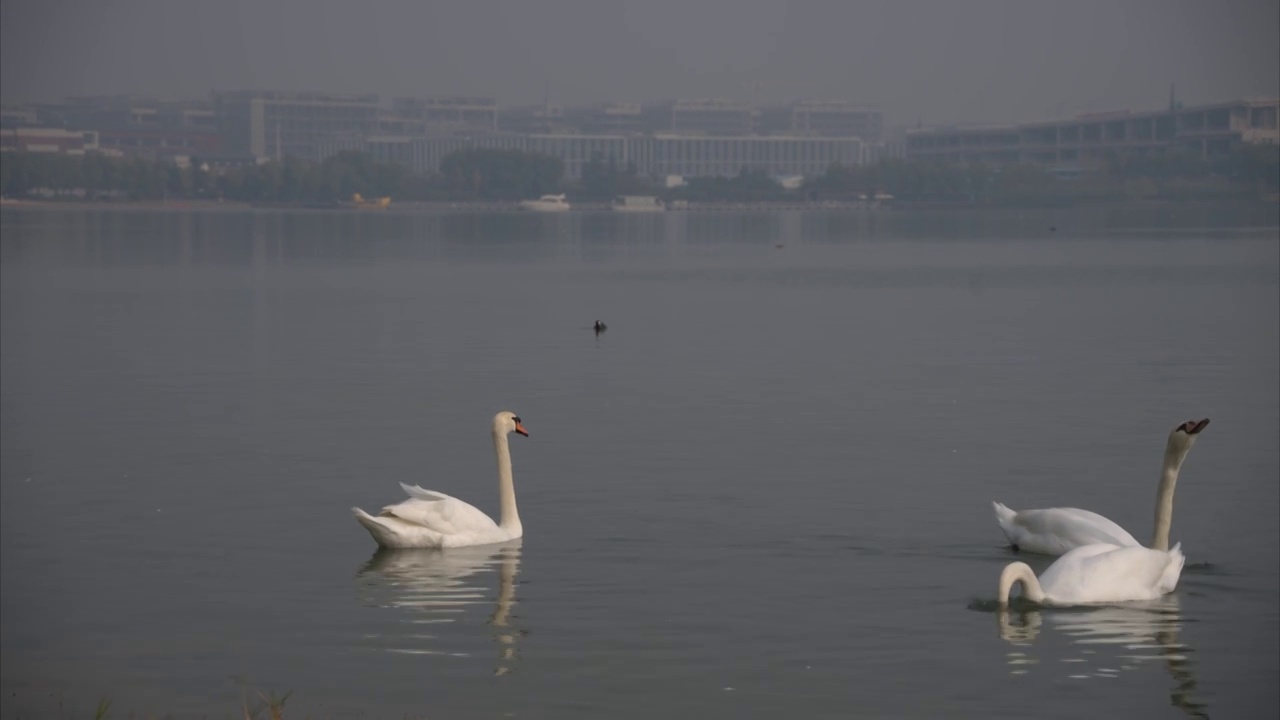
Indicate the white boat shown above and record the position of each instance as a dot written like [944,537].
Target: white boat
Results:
[546,203]
[638,203]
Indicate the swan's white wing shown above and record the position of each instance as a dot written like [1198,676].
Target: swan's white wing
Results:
[416,491]
[1055,531]
[440,513]
[1103,573]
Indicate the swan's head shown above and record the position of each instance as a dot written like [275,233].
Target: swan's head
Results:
[1184,436]
[507,422]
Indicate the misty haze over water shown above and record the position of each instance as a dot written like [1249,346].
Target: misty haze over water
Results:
[763,491]
[976,61]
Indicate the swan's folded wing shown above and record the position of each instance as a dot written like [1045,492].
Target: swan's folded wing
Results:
[1073,527]
[442,513]
[1106,573]
[416,491]
[1137,572]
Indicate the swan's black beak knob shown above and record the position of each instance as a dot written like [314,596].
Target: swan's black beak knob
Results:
[1193,427]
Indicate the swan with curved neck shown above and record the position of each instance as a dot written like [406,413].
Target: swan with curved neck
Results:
[1054,531]
[1097,573]
[430,519]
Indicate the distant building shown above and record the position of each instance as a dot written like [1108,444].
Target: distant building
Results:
[159,144]
[893,146]
[271,124]
[774,119]
[713,117]
[331,146]
[395,124]
[15,117]
[156,129]
[100,112]
[655,117]
[575,151]
[48,140]
[696,156]
[836,118]
[389,149]
[440,113]
[542,119]
[218,164]
[653,156]
[429,152]
[421,154]
[611,118]
[1206,130]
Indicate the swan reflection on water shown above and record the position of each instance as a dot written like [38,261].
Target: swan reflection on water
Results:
[1109,640]
[440,586]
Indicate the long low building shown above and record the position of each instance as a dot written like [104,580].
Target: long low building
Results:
[48,140]
[653,156]
[1207,130]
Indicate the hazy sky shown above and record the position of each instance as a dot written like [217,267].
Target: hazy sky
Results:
[940,60]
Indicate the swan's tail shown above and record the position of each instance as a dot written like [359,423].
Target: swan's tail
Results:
[1004,515]
[1005,518]
[382,534]
[1172,571]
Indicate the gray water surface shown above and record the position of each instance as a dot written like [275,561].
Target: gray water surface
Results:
[763,492]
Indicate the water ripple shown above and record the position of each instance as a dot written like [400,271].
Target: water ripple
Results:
[1102,643]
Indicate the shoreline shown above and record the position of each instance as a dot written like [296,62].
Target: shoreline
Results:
[440,207]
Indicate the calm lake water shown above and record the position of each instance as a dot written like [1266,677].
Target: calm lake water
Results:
[764,492]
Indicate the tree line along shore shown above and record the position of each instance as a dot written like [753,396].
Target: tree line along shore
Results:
[488,177]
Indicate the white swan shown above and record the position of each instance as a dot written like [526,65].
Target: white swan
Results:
[430,519]
[1095,574]
[1054,531]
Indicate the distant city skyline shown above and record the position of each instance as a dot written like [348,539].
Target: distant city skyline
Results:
[941,62]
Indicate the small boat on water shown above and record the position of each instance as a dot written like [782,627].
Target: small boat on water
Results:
[638,204]
[358,202]
[546,203]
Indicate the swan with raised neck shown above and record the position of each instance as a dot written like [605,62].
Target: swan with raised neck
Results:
[1180,443]
[1055,531]
[505,423]
[432,519]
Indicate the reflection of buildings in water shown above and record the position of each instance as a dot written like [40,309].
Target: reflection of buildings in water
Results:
[438,587]
[735,228]
[790,227]
[604,236]
[840,227]
[674,225]
[1110,640]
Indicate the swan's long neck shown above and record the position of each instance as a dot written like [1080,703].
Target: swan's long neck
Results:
[510,517]
[1015,573]
[1173,457]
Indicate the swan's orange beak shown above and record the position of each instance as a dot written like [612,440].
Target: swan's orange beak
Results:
[520,429]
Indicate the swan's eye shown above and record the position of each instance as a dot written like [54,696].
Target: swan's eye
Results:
[516,419]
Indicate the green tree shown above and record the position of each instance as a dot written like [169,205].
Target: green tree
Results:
[604,179]
[487,174]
